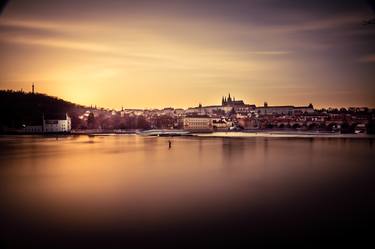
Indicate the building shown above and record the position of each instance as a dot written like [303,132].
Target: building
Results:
[274,110]
[33,126]
[238,106]
[227,105]
[248,123]
[283,110]
[56,123]
[221,124]
[231,101]
[197,123]
[245,109]
[304,109]
[179,111]
[34,129]
[167,111]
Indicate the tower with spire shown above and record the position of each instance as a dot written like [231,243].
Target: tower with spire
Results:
[226,100]
[33,88]
[231,101]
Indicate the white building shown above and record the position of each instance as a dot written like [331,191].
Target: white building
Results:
[221,124]
[56,123]
[198,123]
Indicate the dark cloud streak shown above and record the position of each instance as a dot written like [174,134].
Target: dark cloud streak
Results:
[3,4]
[321,43]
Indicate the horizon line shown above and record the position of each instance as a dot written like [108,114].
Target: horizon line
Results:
[153,108]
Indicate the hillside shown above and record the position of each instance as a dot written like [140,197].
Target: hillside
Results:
[18,108]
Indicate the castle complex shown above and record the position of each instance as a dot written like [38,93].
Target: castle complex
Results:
[231,102]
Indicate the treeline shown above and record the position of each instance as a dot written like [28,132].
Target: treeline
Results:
[116,121]
[18,108]
[128,121]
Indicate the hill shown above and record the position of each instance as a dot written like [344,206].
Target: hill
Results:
[18,108]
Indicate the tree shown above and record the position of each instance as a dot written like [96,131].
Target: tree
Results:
[18,108]
[116,121]
[164,122]
[371,126]
[142,123]
[346,128]
[76,122]
[91,121]
[296,126]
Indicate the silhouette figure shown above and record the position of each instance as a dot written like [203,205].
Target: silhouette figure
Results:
[169,144]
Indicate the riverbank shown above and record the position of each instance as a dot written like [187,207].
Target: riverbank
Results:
[229,134]
[302,134]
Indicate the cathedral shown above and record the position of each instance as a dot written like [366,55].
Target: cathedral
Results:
[229,101]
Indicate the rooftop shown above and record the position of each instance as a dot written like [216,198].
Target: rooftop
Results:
[55,116]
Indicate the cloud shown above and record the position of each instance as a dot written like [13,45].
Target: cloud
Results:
[269,52]
[370,58]
[141,47]
[326,23]
[57,43]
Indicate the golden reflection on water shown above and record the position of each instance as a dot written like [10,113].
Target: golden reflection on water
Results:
[94,181]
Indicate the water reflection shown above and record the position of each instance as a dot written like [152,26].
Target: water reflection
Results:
[233,150]
[131,185]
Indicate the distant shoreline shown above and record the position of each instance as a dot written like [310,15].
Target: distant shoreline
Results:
[222,134]
[286,134]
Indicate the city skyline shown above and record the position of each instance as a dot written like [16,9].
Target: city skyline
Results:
[219,102]
[187,123]
[182,53]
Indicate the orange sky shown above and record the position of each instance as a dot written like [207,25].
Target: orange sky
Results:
[156,55]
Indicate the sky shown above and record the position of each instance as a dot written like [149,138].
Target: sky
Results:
[160,53]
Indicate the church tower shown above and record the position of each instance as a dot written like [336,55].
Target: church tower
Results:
[33,88]
[229,98]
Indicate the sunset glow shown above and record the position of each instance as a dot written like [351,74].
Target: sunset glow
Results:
[187,123]
[152,54]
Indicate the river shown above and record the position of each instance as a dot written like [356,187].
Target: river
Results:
[129,190]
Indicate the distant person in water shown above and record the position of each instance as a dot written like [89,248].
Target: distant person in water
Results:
[169,144]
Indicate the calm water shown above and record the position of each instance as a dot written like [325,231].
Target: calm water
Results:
[133,191]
